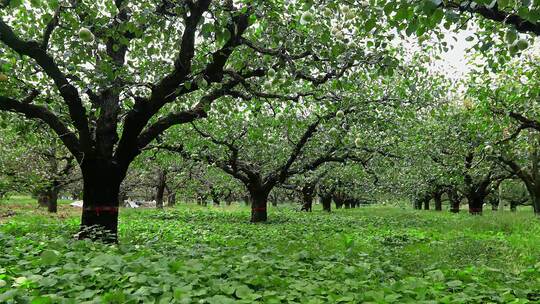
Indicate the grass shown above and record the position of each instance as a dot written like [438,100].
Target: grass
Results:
[192,254]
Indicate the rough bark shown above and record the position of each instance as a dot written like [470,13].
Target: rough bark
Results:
[326,201]
[259,202]
[308,193]
[99,219]
[476,204]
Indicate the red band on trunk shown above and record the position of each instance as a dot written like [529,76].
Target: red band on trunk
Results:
[475,209]
[104,209]
[258,209]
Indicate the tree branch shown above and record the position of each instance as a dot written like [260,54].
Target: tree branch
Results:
[68,92]
[495,14]
[33,111]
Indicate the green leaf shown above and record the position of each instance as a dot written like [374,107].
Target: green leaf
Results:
[49,257]
[243,292]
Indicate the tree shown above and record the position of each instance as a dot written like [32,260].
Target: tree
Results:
[261,174]
[110,79]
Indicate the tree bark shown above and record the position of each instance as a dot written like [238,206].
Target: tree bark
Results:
[455,201]
[259,202]
[307,198]
[160,188]
[326,201]
[535,197]
[438,201]
[476,204]
[338,201]
[101,190]
[426,203]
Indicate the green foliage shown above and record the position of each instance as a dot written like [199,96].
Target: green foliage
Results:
[186,255]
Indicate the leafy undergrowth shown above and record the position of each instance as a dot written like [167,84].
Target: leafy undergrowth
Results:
[194,255]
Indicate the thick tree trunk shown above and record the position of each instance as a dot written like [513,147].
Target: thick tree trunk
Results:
[536,204]
[338,201]
[438,201]
[534,193]
[99,219]
[417,204]
[43,199]
[307,201]
[454,201]
[326,201]
[426,204]
[259,202]
[53,200]
[476,204]
[160,188]
[48,198]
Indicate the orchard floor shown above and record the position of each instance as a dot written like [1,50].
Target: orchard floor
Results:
[191,254]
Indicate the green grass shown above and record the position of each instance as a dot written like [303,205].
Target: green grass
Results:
[26,200]
[213,255]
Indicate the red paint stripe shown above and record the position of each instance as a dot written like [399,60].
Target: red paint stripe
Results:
[104,209]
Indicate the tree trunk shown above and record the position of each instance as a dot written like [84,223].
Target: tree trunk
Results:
[534,193]
[307,201]
[48,197]
[418,202]
[475,204]
[454,201]
[43,199]
[513,206]
[536,204]
[338,201]
[171,199]
[99,219]
[426,203]
[52,207]
[160,188]
[438,201]
[326,201]
[259,201]
[495,205]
